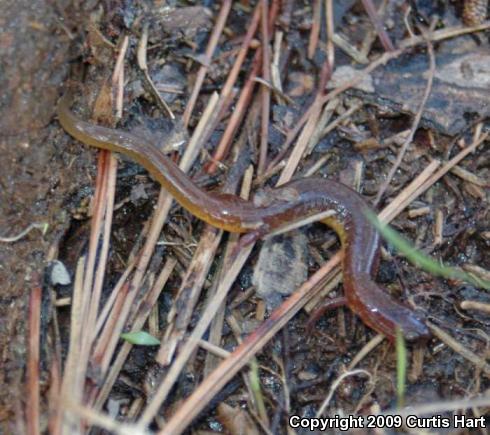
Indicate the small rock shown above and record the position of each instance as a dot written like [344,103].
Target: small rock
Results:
[59,274]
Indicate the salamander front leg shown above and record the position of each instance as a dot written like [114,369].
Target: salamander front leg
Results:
[326,305]
[250,238]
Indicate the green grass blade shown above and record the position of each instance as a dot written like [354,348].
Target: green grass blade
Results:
[421,260]
[141,338]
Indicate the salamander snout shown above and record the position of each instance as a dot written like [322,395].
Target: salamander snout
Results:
[414,328]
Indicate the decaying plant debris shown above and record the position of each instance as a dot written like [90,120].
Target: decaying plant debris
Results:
[390,99]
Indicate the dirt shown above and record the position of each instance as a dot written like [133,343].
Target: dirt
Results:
[40,170]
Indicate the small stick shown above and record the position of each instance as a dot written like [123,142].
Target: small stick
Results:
[470,177]
[243,101]
[102,317]
[237,115]
[188,348]
[275,73]
[475,305]
[336,384]
[302,143]
[417,212]
[32,402]
[341,42]
[415,125]
[459,348]
[242,53]
[477,270]
[330,25]
[140,318]
[118,76]
[12,239]
[104,340]
[72,383]
[315,28]
[438,227]
[141,57]
[366,349]
[213,42]
[355,107]
[410,193]
[383,36]
[214,349]
[265,91]
[439,35]
[321,126]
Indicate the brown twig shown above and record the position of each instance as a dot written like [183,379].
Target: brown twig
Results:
[144,307]
[315,28]
[104,314]
[141,57]
[373,15]
[23,233]
[302,143]
[265,91]
[104,216]
[227,94]
[458,347]
[243,101]
[188,294]
[163,390]
[416,121]
[330,25]
[201,74]
[73,377]
[32,393]
[237,115]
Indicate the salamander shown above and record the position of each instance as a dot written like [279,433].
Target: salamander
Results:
[279,209]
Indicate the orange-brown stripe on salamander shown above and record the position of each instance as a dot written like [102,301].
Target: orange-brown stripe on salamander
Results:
[282,206]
